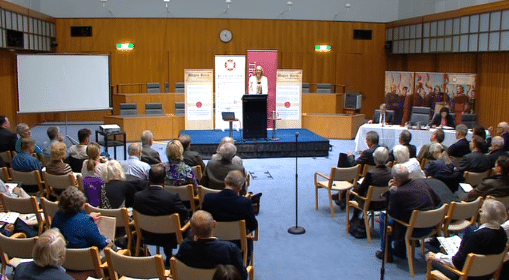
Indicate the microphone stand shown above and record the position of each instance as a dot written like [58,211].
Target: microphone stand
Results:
[384,250]
[296,229]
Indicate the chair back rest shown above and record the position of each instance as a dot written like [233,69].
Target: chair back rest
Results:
[470,120]
[376,192]
[504,200]
[59,182]
[121,214]
[6,156]
[21,205]
[158,224]
[4,174]
[92,186]
[180,87]
[134,267]
[428,219]
[203,191]
[186,192]
[49,208]
[345,173]
[27,178]
[153,108]
[235,230]
[75,163]
[180,271]
[481,265]
[84,259]
[153,87]
[464,210]
[323,88]
[475,178]
[366,168]
[17,247]
[198,173]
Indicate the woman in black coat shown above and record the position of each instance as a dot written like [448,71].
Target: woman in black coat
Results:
[443,119]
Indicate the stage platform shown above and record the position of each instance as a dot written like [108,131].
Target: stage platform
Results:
[309,144]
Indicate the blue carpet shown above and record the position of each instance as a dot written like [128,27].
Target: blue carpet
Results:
[325,251]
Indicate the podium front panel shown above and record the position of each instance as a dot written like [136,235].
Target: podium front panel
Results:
[254,114]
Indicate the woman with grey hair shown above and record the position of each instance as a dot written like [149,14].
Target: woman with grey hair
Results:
[79,229]
[489,239]
[402,156]
[118,191]
[442,165]
[48,255]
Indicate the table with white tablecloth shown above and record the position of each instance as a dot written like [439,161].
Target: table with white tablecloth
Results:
[389,136]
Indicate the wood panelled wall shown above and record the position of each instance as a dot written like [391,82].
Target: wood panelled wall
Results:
[492,71]
[165,47]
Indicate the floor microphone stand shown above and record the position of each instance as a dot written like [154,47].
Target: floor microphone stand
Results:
[296,229]
[386,245]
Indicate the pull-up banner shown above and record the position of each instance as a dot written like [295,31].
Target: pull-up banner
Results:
[230,86]
[199,94]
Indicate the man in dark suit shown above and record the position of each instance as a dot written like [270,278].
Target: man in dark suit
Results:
[461,147]
[148,154]
[7,138]
[497,185]
[206,251]
[497,149]
[217,169]
[366,156]
[404,139]
[191,158]
[382,116]
[155,201]
[475,161]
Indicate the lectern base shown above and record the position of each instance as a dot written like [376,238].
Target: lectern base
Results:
[296,230]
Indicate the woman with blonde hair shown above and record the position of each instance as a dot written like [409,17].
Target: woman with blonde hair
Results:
[48,255]
[57,166]
[178,173]
[92,167]
[119,192]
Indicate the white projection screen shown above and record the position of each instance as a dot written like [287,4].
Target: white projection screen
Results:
[63,83]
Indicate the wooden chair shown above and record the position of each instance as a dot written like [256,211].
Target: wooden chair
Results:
[186,193]
[24,206]
[421,219]
[366,168]
[14,249]
[461,215]
[30,178]
[80,261]
[49,208]
[4,174]
[121,263]
[340,179]
[475,265]
[424,163]
[475,178]
[236,230]
[198,173]
[202,192]
[180,271]
[157,224]
[7,157]
[504,200]
[373,195]
[56,184]
[122,216]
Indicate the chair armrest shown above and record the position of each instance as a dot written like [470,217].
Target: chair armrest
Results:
[186,226]
[357,195]
[19,235]
[124,252]
[320,175]
[254,236]
[450,268]
[401,222]
[250,272]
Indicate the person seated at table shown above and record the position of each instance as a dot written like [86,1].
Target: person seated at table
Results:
[489,239]
[92,167]
[24,132]
[437,136]
[48,256]
[402,157]
[496,185]
[57,166]
[382,116]
[443,119]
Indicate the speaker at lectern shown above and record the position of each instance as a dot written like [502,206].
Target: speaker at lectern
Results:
[254,114]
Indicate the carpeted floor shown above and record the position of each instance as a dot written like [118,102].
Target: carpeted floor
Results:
[325,251]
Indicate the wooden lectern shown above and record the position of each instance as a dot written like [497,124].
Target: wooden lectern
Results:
[254,114]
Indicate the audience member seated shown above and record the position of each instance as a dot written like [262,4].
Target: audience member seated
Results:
[366,156]
[409,195]
[404,139]
[443,119]
[155,201]
[178,173]
[134,167]
[24,161]
[235,160]
[496,149]
[92,167]
[57,166]
[148,154]
[503,131]
[382,117]
[413,166]
[79,151]
[226,272]
[24,132]
[78,228]
[475,161]
[461,147]
[442,165]
[479,130]
[218,167]
[206,251]
[119,192]
[19,225]
[54,135]
[191,158]
[48,257]
[497,185]
[437,136]
[489,239]
[7,138]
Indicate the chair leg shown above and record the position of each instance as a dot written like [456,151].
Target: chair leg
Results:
[372,219]
[138,245]
[347,217]
[366,224]
[331,204]
[410,257]
[422,246]
[316,197]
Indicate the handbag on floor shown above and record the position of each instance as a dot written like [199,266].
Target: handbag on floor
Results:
[358,228]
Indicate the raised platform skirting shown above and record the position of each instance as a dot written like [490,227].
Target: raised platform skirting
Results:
[333,126]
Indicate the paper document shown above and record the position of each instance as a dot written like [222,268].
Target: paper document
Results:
[107,226]
[450,245]
[9,217]
[466,187]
